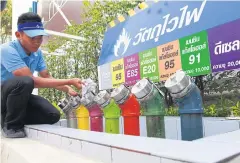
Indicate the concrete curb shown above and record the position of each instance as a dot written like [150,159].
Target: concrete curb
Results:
[29,151]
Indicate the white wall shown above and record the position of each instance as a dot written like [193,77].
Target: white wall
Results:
[117,148]
[211,126]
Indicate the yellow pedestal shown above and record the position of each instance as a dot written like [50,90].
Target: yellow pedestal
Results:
[82,117]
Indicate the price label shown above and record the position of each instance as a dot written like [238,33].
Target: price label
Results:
[149,65]
[132,69]
[224,46]
[169,59]
[117,70]
[195,55]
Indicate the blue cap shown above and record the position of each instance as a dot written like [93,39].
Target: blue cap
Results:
[32,29]
[35,32]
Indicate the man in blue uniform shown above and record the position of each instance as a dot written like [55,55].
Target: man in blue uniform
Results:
[19,59]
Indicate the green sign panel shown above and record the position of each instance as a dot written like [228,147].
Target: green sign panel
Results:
[195,55]
[149,64]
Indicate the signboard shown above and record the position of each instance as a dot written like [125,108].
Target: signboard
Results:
[174,35]
[149,64]
[169,59]
[167,21]
[117,70]
[224,46]
[132,69]
[195,54]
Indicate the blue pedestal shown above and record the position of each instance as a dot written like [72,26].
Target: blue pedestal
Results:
[191,112]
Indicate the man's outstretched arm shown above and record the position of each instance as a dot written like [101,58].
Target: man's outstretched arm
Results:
[40,82]
[65,88]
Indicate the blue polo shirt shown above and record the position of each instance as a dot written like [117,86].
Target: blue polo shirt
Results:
[14,57]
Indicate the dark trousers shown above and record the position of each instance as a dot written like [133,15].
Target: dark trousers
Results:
[19,106]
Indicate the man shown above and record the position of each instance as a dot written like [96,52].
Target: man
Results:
[19,59]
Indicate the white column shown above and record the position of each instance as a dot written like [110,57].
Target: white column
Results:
[17,11]
[35,90]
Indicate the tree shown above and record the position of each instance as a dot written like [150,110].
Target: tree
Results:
[82,56]
[6,22]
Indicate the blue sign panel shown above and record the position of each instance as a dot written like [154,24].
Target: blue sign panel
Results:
[164,22]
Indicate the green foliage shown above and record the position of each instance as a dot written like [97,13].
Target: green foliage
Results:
[236,109]
[82,56]
[222,108]
[210,111]
[222,81]
[6,22]
[226,85]
[172,111]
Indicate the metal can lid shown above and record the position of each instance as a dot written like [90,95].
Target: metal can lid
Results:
[142,88]
[177,82]
[62,103]
[84,101]
[88,98]
[75,101]
[102,97]
[120,93]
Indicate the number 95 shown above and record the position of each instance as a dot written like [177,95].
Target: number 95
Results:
[118,76]
[169,64]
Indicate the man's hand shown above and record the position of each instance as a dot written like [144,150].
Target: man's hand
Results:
[76,82]
[71,92]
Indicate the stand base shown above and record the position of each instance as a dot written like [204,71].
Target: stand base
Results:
[155,126]
[191,126]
